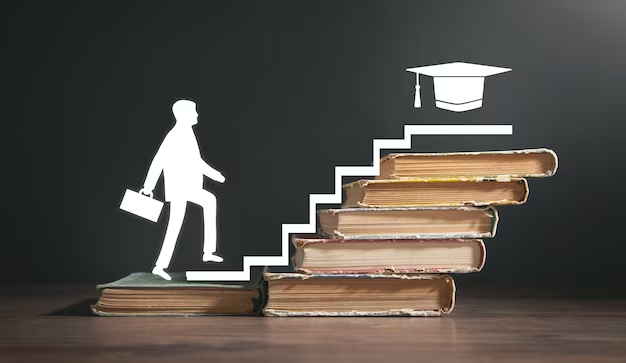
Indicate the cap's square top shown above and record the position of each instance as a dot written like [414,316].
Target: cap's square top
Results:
[459,86]
[458,69]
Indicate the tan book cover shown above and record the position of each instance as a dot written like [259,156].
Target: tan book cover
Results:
[473,191]
[316,254]
[526,163]
[408,222]
[323,295]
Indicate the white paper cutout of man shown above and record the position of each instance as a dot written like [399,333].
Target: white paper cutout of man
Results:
[183,170]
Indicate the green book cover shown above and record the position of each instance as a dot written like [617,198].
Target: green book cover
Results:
[146,280]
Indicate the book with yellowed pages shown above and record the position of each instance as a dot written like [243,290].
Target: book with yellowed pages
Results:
[510,163]
[293,294]
[316,254]
[475,191]
[408,222]
[145,294]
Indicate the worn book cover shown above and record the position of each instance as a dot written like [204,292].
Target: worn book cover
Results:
[324,295]
[316,254]
[527,163]
[408,222]
[145,294]
[446,192]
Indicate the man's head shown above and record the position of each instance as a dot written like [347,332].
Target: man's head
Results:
[185,112]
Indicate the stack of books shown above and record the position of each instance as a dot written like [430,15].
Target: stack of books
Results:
[391,248]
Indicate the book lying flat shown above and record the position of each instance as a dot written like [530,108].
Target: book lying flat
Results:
[511,163]
[292,294]
[435,192]
[315,254]
[408,222]
[145,294]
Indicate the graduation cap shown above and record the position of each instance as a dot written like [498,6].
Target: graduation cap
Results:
[458,86]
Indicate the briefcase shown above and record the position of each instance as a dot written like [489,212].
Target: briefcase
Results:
[141,205]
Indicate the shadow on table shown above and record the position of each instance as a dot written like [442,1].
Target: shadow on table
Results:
[81,308]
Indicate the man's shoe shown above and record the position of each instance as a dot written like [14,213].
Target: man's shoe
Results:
[159,271]
[211,257]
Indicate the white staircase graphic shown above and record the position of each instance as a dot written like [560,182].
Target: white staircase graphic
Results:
[336,196]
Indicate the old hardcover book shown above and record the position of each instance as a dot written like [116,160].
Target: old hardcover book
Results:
[473,191]
[293,294]
[315,254]
[511,163]
[144,294]
[408,222]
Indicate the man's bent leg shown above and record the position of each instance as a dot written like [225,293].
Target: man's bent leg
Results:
[208,202]
[177,215]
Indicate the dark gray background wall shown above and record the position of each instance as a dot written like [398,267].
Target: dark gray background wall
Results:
[286,90]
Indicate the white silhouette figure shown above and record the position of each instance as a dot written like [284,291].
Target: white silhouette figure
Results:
[180,161]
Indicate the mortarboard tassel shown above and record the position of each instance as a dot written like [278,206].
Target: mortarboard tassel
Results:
[418,99]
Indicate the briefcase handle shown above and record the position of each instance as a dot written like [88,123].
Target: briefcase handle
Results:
[142,192]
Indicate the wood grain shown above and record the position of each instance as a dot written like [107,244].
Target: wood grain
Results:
[52,324]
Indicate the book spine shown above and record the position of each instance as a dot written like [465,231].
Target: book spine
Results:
[494,221]
[261,301]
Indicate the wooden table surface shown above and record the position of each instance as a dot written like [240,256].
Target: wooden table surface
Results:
[53,324]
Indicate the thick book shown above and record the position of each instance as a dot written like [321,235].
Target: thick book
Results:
[316,254]
[293,294]
[527,163]
[408,222]
[145,294]
[473,191]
